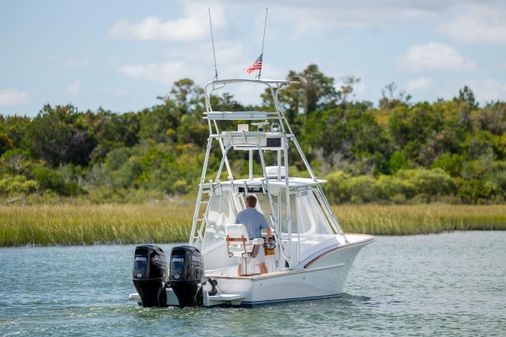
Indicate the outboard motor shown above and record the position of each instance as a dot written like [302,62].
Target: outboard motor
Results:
[187,275]
[150,275]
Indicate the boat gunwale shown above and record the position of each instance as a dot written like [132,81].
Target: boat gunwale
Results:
[369,239]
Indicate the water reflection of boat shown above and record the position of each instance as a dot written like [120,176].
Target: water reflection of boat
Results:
[312,255]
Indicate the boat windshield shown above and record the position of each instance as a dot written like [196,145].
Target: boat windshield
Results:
[309,227]
[309,217]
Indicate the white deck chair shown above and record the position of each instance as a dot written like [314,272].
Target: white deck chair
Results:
[239,244]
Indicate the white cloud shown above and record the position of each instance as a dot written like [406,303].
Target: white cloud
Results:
[13,97]
[419,84]
[193,25]
[477,24]
[434,56]
[313,17]
[328,14]
[197,63]
[488,89]
[165,72]
[172,70]
[73,88]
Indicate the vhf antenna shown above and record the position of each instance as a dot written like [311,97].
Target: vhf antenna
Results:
[263,42]
[212,41]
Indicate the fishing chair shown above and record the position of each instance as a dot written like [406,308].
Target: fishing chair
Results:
[239,244]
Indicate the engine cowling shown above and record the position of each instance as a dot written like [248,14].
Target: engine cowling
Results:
[149,274]
[187,275]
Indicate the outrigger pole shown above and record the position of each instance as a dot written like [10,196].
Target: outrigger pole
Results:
[212,41]
[263,42]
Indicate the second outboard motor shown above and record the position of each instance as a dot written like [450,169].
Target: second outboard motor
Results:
[150,275]
[187,275]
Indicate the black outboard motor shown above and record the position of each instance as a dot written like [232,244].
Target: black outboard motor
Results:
[150,275]
[187,275]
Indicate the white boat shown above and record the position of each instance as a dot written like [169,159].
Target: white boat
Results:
[313,255]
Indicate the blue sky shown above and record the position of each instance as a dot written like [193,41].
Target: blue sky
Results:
[121,55]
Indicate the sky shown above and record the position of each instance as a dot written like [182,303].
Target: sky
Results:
[121,55]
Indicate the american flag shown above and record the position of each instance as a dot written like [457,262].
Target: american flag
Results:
[257,65]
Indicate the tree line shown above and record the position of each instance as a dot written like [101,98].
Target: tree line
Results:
[395,151]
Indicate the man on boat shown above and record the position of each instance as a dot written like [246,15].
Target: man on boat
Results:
[254,222]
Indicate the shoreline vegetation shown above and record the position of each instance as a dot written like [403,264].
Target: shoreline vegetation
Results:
[164,222]
[69,176]
[393,151]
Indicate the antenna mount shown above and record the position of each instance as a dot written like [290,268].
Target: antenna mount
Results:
[212,41]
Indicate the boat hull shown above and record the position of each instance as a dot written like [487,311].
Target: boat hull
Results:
[322,277]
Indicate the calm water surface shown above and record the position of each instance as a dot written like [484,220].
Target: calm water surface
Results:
[451,284]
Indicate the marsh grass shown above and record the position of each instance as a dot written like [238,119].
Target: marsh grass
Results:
[93,224]
[420,219]
[68,224]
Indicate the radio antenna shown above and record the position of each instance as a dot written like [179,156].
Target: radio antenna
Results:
[212,41]
[263,43]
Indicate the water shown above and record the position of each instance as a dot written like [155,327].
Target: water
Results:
[449,284]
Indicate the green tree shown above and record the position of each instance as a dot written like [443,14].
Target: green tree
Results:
[492,118]
[467,95]
[310,90]
[349,138]
[58,136]
[5,143]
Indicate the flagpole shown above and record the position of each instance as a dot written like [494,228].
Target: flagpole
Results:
[263,43]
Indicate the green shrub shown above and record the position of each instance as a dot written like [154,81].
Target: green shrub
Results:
[477,190]
[450,162]
[360,189]
[334,187]
[393,188]
[51,180]
[397,161]
[15,185]
[435,182]
[5,143]
[421,184]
